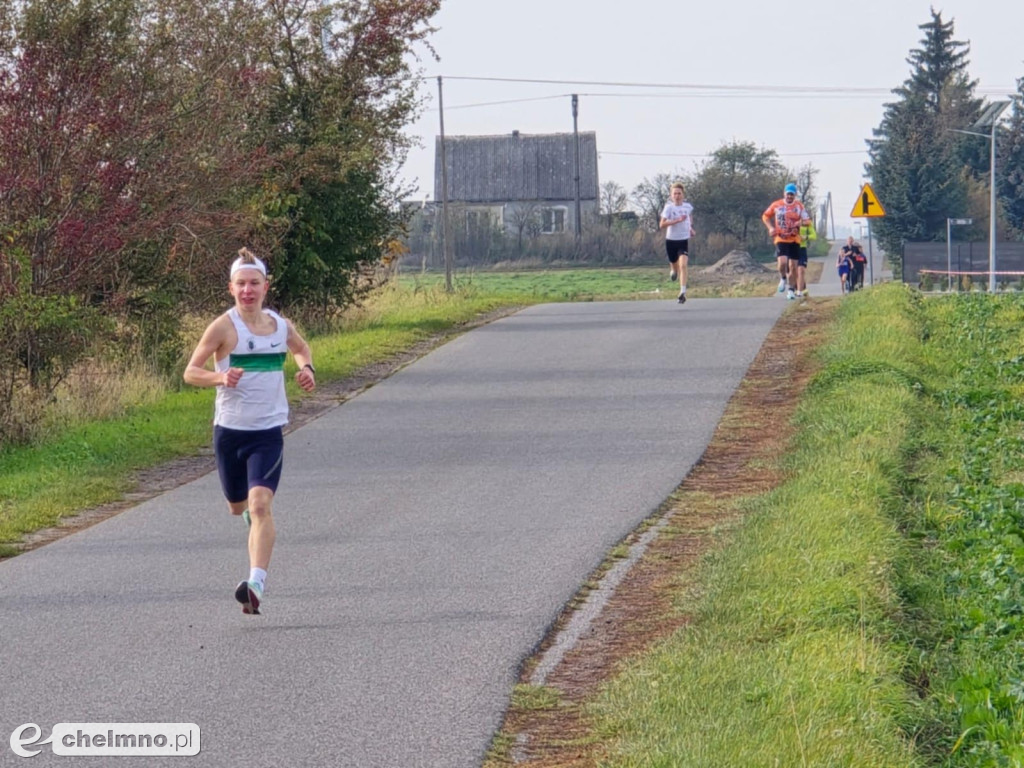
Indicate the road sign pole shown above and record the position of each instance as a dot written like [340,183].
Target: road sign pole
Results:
[871,258]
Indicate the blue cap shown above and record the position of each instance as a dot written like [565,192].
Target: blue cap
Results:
[791,188]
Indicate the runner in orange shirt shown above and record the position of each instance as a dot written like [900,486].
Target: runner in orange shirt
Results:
[783,219]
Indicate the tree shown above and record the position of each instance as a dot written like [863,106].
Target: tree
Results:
[341,88]
[734,187]
[1011,164]
[917,163]
[105,165]
[524,217]
[613,198]
[649,198]
[805,178]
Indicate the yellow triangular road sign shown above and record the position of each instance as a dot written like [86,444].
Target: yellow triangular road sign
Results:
[867,205]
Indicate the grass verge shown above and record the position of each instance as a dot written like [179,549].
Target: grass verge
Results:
[790,658]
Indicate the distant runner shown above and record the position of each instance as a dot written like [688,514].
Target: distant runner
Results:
[858,261]
[677,219]
[783,219]
[860,264]
[844,266]
[807,234]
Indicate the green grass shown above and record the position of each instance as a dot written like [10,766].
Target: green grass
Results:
[582,284]
[534,697]
[92,464]
[966,504]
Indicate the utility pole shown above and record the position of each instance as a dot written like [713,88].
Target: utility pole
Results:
[576,142]
[831,214]
[446,245]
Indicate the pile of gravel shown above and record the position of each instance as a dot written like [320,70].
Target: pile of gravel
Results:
[736,263]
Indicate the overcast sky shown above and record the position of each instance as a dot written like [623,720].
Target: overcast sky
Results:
[833,47]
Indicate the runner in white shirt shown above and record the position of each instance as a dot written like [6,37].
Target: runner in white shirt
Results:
[677,218]
[249,344]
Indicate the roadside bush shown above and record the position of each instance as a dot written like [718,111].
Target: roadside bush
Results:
[45,336]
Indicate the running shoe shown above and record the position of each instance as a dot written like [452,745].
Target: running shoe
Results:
[782,285]
[249,594]
[682,297]
[790,295]
[247,517]
[799,294]
[672,274]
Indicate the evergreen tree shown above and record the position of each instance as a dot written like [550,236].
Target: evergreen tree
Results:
[1011,164]
[916,162]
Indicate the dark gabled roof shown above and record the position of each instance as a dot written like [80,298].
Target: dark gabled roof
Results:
[516,166]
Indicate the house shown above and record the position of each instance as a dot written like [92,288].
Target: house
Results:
[516,179]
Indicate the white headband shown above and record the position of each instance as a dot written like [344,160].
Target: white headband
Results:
[238,264]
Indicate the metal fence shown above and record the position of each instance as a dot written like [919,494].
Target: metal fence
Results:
[969,259]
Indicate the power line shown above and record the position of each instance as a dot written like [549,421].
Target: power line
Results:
[507,101]
[733,92]
[683,86]
[751,88]
[735,95]
[809,96]
[711,154]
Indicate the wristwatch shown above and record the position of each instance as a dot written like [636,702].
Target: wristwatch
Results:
[310,366]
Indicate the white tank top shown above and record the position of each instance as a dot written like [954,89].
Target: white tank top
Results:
[259,401]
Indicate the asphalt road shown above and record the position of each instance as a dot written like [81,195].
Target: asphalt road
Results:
[429,531]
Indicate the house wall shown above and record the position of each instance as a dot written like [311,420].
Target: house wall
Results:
[588,210]
[496,169]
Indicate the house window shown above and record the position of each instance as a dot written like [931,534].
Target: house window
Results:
[475,220]
[553,220]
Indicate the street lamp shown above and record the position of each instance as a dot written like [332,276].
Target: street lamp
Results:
[949,249]
[990,119]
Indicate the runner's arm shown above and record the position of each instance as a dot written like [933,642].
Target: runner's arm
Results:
[300,350]
[196,372]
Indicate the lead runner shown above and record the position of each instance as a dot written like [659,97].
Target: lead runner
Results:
[249,345]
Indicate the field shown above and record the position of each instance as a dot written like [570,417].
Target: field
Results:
[586,284]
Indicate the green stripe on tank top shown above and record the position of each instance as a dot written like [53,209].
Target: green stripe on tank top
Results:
[272,361]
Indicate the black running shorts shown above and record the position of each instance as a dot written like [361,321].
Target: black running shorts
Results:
[789,250]
[675,249]
[248,458]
